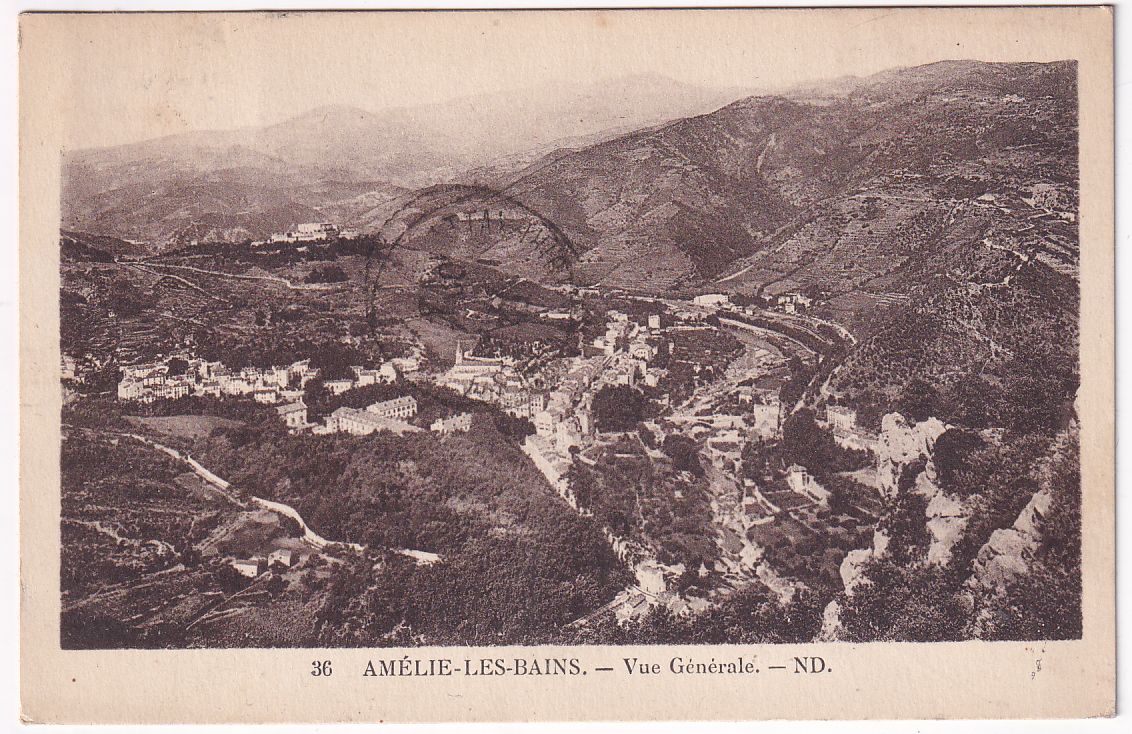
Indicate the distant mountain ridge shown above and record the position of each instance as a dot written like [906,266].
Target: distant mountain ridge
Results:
[244,183]
[772,185]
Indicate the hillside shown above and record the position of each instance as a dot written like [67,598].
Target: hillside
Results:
[833,191]
[478,223]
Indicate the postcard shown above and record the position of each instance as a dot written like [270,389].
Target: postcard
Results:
[567,365]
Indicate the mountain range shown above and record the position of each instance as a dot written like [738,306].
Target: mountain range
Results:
[334,162]
[931,210]
[864,192]
[844,190]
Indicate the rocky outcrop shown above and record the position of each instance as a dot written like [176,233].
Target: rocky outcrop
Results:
[830,623]
[852,566]
[901,443]
[945,516]
[1009,551]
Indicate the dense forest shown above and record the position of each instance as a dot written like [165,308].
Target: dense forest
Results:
[517,561]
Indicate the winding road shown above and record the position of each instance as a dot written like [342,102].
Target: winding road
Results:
[310,537]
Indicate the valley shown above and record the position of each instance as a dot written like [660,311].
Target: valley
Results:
[765,369]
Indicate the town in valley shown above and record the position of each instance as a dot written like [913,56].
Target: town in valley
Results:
[774,368]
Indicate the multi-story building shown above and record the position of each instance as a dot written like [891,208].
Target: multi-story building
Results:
[337,387]
[364,376]
[840,419]
[294,415]
[545,421]
[461,422]
[355,421]
[398,408]
[307,232]
[130,389]
[210,388]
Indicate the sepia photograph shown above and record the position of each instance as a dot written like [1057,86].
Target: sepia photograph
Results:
[660,363]
[400,344]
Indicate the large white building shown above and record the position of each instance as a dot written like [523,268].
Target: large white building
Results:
[355,421]
[397,408]
[307,232]
[711,299]
[841,418]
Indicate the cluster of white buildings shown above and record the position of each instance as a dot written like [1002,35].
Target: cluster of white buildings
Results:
[252,567]
[154,381]
[387,372]
[489,215]
[567,419]
[793,302]
[492,380]
[632,346]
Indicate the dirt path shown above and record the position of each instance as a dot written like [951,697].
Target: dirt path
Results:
[239,276]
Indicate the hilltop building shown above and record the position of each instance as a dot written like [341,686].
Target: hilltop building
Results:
[307,232]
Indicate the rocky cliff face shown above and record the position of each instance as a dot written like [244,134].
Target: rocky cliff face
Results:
[1008,552]
[855,560]
[900,444]
[946,516]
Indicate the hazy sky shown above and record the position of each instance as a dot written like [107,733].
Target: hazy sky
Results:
[142,76]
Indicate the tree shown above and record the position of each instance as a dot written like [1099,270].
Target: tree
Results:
[276,585]
[684,452]
[804,442]
[618,408]
[176,366]
[327,274]
[952,455]
[333,359]
[793,389]
[919,400]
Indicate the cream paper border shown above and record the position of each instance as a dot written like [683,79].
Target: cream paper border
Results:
[869,681]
